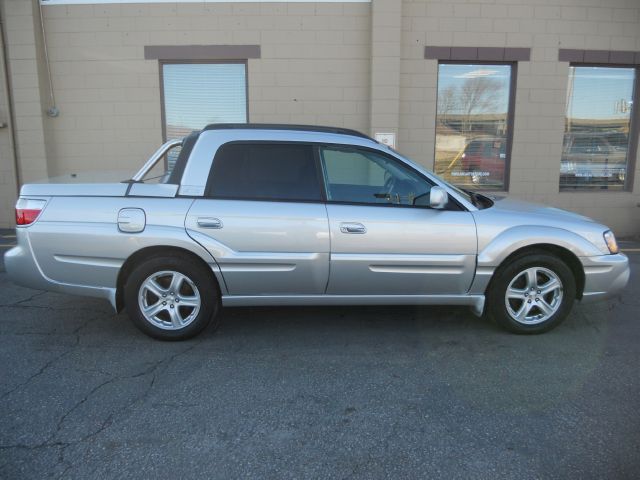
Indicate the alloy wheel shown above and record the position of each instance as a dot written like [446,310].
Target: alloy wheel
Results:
[534,295]
[169,300]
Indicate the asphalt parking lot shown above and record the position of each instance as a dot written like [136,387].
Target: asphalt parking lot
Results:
[393,392]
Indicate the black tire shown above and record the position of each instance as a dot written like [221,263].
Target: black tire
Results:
[497,303]
[197,274]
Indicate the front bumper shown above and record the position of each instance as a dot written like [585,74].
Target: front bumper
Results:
[605,276]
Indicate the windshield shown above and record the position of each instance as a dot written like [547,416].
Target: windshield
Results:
[466,194]
[478,200]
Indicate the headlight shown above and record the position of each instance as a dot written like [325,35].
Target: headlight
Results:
[610,240]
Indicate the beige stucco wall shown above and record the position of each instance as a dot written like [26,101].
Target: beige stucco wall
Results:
[544,26]
[21,27]
[356,65]
[314,68]
[7,160]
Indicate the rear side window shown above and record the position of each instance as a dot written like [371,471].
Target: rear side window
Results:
[259,171]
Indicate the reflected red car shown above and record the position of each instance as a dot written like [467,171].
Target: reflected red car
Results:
[483,159]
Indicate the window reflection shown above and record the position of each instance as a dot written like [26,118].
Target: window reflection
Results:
[472,124]
[598,117]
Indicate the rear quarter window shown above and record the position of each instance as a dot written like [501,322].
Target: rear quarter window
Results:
[264,171]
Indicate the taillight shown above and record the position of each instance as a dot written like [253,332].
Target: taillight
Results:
[27,210]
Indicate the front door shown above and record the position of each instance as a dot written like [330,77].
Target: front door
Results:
[263,219]
[384,240]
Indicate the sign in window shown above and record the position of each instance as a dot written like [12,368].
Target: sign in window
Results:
[595,150]
[473,124]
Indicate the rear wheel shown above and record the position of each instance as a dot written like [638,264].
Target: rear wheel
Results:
[532,294]
[171,298]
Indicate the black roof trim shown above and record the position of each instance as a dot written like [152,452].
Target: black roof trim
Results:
[277,126]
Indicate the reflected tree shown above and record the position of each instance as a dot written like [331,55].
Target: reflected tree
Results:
[478,95]
[447,103]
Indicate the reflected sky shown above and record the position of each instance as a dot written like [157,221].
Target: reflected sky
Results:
[600,92]
[455,77]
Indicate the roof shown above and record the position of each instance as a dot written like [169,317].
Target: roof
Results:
[277,126]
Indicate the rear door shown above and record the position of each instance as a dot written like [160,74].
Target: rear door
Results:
[384,239]
[264,220]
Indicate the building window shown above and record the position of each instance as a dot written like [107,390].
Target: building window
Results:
[597,132]
[474,123]
[197,94]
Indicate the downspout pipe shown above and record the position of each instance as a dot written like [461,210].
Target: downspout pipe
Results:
[53,110]
[10,104]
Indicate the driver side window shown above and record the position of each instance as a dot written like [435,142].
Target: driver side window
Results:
[362,176]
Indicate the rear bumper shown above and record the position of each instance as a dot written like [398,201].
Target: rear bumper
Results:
[605,276]
[21,265]
[23,269]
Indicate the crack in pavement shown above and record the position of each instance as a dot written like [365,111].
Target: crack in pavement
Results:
[39,293]
[38,373]
[22,446]
[44,307]
[51,441]
[47,307]
[48,364]
[152,370]
[35,295]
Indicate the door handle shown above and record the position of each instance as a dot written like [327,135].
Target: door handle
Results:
[209,222]
[357,228]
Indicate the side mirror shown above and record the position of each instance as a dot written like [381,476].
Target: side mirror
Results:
[438,197]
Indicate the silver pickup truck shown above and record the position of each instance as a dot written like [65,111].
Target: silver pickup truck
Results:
[295,215]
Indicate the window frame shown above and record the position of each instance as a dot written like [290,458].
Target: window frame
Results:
[162,63]
[511,110]
[634,131]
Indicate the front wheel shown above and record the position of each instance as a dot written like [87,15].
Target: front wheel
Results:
[171,298]
[532,294]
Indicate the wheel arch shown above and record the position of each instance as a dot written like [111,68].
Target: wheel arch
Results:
[567,245]
[567,256]
[154,251]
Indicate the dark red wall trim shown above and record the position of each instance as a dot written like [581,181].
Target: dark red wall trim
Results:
[482,54]
[602,57]
[201,52]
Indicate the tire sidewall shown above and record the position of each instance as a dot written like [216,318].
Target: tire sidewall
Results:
[497,308]
[210,298]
